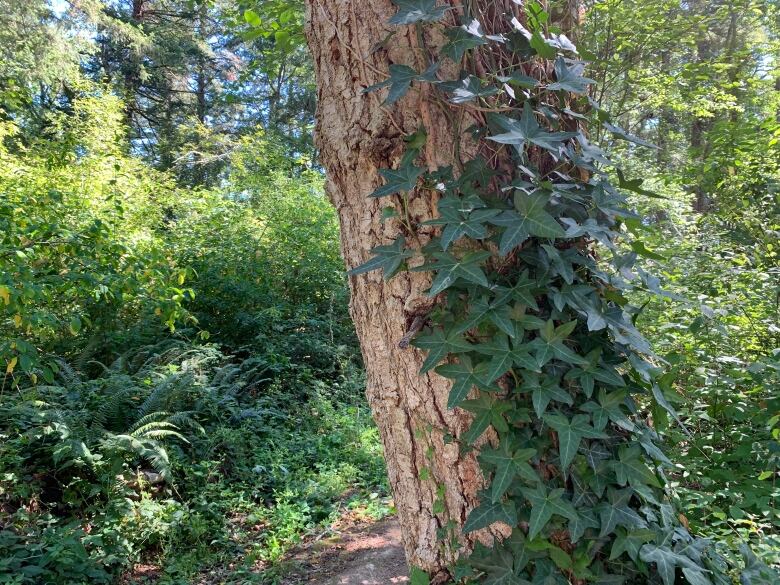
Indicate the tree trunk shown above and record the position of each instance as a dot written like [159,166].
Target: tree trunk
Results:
[357,136]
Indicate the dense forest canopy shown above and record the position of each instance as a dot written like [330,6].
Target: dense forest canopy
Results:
[182,386]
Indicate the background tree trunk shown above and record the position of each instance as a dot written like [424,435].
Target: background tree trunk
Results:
[357,136]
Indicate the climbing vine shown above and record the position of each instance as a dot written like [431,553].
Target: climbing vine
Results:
[530,273]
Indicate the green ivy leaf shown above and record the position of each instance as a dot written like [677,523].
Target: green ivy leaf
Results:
[504,355]
[541,46]
[450,269]
[544,505]
[665,560]
[630,542]
[484,311]
[527,130]
[387,258]
[460,41]
[462,217]
[468,89]
[543,392]
[569,78]
[616,512]
[438,344]
[487,410]
[635,186]
[400,80]
[509,464]
[419,577]
[398,180]
[570,435]
[489,513]
[466,376]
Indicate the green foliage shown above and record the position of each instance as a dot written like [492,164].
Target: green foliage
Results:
[80,249]
[560,377]
[125,439]
[98,470]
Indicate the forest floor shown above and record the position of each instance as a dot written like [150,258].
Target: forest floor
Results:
[363,554]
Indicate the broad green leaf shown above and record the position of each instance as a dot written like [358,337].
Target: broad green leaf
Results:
[527,130]
[398,180]
[570,434]
[488,513]
[544,505]
[387,258]
[439,344]
[569,78]
[465,376]
[460,41]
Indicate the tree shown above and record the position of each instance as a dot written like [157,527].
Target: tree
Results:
[533,464]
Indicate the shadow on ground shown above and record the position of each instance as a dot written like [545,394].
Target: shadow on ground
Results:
[362,555]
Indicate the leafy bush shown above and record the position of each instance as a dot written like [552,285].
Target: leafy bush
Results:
[151,457]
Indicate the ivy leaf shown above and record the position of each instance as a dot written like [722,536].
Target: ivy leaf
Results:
[450,269]
[608,409]
[466,217]
[460,41]
[411,11]
[540,223]
[487,410]
[488,513]
[630,469]
[527,130]
[466,376]
[531,219]
[387,258]
[696,577]
[419,577]
[585,519]
[519,79]
[509,464]
[542,393]
[541,46]
[543,505]
[570,435]
[400,80]
[504,356]
[587,374]
[550,345]
[515,231]
[438,344]
[524,290]
[481,311]
[630,542]
[665,560]
[595,452]
[616,512]
[398,180]
[569,78]
[635,186]
[468,89]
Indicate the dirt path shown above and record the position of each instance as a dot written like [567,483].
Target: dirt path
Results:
[361,555]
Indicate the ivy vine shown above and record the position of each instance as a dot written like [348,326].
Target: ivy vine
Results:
[530,271]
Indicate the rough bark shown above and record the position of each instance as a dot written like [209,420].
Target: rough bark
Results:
[357,136]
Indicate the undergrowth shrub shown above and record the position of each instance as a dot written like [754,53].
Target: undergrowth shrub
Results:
[156,455]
